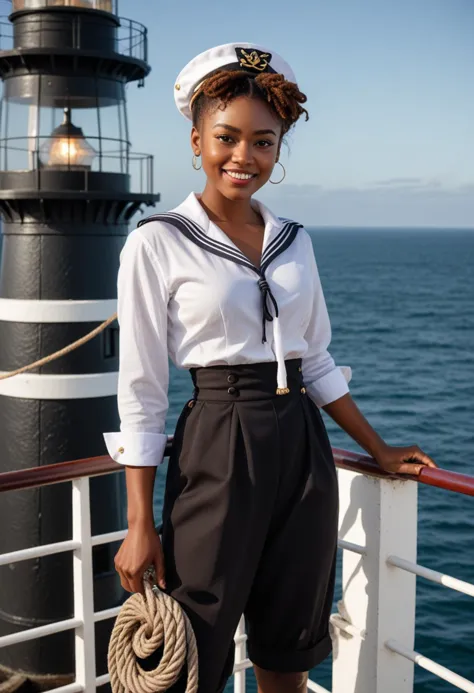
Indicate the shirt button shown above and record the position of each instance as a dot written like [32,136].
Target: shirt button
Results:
[232,391]
[232,378]
[121,451]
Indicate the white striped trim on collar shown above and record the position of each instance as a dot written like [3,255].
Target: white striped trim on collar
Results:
[282,241]
[196,233]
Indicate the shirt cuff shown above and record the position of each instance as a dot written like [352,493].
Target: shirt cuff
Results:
[330,387]
[136,449]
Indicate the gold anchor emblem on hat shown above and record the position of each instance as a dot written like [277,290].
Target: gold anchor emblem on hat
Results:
[254,60]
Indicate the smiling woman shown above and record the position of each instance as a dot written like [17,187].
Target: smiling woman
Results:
[232,293]
[248,117]
[241,156]
[237,160]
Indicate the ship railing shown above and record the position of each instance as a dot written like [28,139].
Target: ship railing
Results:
[374,626]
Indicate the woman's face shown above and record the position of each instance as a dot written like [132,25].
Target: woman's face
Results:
[238,145]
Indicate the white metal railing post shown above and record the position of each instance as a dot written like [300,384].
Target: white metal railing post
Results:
[83,585]
[378,599]
[240,656]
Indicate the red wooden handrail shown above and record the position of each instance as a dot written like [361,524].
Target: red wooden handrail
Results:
[95,466]
[449,481]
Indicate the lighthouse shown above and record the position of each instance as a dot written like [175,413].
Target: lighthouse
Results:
[69,185]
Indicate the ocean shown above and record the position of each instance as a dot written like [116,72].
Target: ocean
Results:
[401,304]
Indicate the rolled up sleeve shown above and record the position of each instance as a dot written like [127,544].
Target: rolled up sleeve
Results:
[324,381]
[143,369]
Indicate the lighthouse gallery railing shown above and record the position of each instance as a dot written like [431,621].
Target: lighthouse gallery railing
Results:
[375,624]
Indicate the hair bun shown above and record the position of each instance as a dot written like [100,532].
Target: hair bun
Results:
[270,80]
[284,95]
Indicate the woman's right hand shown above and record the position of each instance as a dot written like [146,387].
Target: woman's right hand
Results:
[140,549]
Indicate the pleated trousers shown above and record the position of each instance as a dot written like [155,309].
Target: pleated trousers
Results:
[250,521]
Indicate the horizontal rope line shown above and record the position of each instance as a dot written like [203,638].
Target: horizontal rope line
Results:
[62,352]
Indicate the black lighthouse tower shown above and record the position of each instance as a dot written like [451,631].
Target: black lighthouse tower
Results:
[69,185]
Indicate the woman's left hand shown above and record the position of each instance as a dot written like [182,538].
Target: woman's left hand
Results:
[409,460]
[398,460]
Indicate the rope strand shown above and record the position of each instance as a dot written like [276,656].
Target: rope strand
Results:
[61,352]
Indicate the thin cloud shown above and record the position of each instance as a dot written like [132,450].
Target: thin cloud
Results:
[428,205]
[398,181]
[414,184]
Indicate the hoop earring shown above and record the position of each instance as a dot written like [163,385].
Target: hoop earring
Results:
[195,166]
[277,182]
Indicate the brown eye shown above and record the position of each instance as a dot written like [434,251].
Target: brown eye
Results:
[264,143]
[225,139]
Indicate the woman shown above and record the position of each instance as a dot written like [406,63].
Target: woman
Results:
[231,292]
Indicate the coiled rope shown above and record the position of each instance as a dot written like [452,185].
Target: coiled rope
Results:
[144,624]
[62,352]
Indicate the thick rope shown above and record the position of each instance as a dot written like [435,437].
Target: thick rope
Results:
[12,681]
[61,352]
[144,624]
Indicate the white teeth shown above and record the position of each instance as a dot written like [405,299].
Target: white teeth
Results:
[240,176]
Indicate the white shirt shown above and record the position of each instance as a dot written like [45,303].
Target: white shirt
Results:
[192,295]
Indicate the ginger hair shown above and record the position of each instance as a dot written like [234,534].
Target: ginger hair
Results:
[283,97]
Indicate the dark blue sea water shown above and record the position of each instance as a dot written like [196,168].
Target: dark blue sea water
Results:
[402,309]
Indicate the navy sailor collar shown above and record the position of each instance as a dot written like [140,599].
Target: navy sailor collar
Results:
[191,219]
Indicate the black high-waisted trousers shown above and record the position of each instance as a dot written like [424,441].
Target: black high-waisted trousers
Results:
[250,521]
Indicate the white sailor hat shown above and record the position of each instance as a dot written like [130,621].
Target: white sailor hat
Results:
[249,57]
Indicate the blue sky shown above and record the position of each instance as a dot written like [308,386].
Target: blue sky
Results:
[390,87]
[390,90]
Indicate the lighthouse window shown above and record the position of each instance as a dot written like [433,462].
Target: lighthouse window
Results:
[111,342]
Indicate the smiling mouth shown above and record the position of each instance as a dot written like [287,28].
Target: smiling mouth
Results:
[239,176]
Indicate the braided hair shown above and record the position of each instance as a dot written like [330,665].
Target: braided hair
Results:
[283,97]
